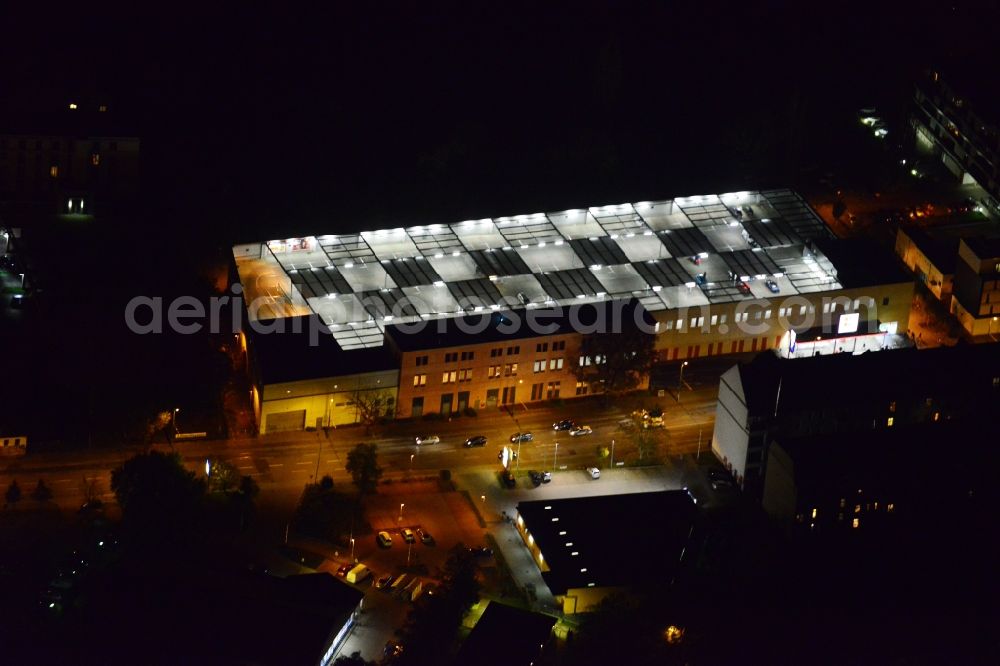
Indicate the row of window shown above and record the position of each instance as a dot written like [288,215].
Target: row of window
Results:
[553,363]
[715,320]
[513,350]
[548,391]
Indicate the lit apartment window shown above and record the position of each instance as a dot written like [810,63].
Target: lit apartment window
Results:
[714,320]
[767,314]
[54,171]
[510,370]
[419,380]
[465,375]
[102,108]
[890,507]
[95,158]
[843,502]
[855,523]
[449,377]
[857,508]
[889,421]
[539,366]
[555,364]
[814,514]
[937,415]
[668,325]
[581,388]
[494,371]
[892,407]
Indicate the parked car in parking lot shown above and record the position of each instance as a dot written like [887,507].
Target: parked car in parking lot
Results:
[594,472]
[427,439]
[343,569]
[478,440]
[383,582]
[581,430]
[565,424]
[744,288]
[772,286]
[425,537]
[538,478]
[508,478]
[481,551]
[408,536]
[384,539]
[519,437]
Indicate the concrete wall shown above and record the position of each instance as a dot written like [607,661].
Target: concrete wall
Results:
[326,402]
[940,284]
[779,498]
[731,436]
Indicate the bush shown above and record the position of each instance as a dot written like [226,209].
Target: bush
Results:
[469,411]
[433,416]
[326,483]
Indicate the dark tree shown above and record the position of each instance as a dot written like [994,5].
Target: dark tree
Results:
[13,495]
[326,483]
[433,623]
[372,406]
[362,463]
[41,493]
[354,660]
[156,493]
[619,361]
[839,208]
[223,476]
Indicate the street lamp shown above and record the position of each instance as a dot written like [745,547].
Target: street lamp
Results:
[555,456]
[991,326]
[352,549]
[680,380]
[612,454]
[401,512]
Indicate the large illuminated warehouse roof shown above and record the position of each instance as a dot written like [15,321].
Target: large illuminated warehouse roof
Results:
[684,252]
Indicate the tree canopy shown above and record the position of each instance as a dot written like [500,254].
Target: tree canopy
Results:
[362,463]
[618,361]
[155,490]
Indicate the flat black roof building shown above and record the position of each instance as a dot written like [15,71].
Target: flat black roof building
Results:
[506,636]
[609,540]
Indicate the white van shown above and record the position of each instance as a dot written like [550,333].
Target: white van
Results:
[358,574]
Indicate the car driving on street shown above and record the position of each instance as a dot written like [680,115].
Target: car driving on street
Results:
[427,439]
[565,424]
[478,440]
[519,437]
[581,430]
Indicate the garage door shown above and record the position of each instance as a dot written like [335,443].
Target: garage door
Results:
[281,421]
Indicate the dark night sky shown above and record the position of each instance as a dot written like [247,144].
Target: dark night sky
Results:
[271,120]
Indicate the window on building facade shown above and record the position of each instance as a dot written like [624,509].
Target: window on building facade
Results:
[559,346]
[451,357]
[553,390]
[542,347]
[422,360]
[496,352]
[510,370]
[468,356]
[511,351]
[581,388]
[889,421]
[556,363]
[95,159]
[537,391]
[449,377]
[54,171]
[419,380]
[494,371]
[885,301]
[539,366]
[465,375]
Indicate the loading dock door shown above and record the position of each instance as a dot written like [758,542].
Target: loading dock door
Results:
[284,421]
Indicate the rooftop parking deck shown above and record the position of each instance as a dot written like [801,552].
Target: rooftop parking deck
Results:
[668,254]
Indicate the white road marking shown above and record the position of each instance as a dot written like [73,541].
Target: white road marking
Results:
[308,462]
[62,480]
[277,464]
[246,467]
